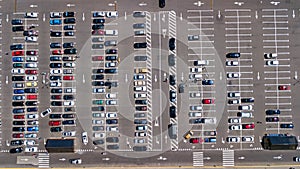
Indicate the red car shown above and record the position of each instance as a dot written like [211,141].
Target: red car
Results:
[196,140]
[31,72]
[284,87]
[57,97]
[18,135]
[97,58]
[57,52]
[248,126]
[208,101]
[98,32]
[17,53]
[32,52]
[54,123]
[68,77]
[19,116]
[31,97]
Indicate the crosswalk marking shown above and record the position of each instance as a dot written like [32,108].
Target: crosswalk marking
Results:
[198,159]
[228,158]
[44,160]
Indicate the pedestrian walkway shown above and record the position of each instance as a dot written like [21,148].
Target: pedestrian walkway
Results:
[198,159]
[44,160]
[228,158]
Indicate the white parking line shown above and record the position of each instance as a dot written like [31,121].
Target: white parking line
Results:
[240,16]
[278,22]
[277,84]
[279,66]
[197,17]
[238,35]
[275,16]
[277,104]
[287,71]
[231,41]
[235,10]
[203,29]
[241,85]
[274,10]
[280,97]
[202,23]
[286,40]
[275,28]
[278,34]
[238,47]
[238,28]
[272,78]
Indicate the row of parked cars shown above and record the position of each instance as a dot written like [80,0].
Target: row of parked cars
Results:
[24,80]
[62,65]
[104,41]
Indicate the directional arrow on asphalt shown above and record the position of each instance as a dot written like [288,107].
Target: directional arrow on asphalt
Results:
[294,14]
[83,18]
[164,31]
[33,6]
[206,158]
[296,75]
[220,75]
[7,18]
[69,5]
[125,16]
[258,77]
[256,14]
[219,14]
[199,3]
[126,78]
[274,3]
[155,78]
[44,17]
[83,79]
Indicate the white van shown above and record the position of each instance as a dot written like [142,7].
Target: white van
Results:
[111,32]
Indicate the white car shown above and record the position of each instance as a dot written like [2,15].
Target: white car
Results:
[76,161]
[194,107]
[31,77]
[55,71]
[245,114]
[234,120]
[139,83]
[17,71]
[111,95]
[46,112]
[195,114]
[110,64]
[234,101]
[233,75]
[98,115]
[195,94]
[139,77]
[32,116]
[139,141]
[99,135]
[69,64]
[195,70]
[70,90]
[69,133]
[232,63]
[69,103]
[98,90]
[234,94]
[247,139]
[140,88]
[30,135]
[111,14]
[31,39]
[140,95]
[111,102]
[112,128]
[140,134]
[85,139]
[31,59]
[55,15]
[31,149]
[273,63]
[235,127]
[29,142]
[245,107]
[55,84]
[98,121]
[270,55]
[31,15]
[31,65]
[233,139]
[111,115]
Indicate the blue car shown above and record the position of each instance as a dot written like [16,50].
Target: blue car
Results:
[32,109]
[34,128]
[287,125]
[18,91]
[55,21]
[207,82]
[18,59]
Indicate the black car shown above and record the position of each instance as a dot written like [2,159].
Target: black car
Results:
[18,123]
[20,129]
[162,3]
[31,103]
[68,97]
[68,14]
[16,142]
[16,150]
[17,47]
[55,34]
[16,22]
[99,108]
[172,96]
[98,70]
[112,121]
[172,80]
[233,55]
[139,26]
[112,147]
[56,103]
[30,90]
[247,100]
[111,71]
[68,45]
[55,129]
[207,82]
[18,65]
[55,116]
[96,21]
[140,101]
[55,45]
[18,110]
[55,65]
[139,148]
[17,28]
[98,83]
[140,121]
[140,45]
[55,77]
[111,84]
[68,116]
[139,14]
[98,26]
[68,109]
[272,119]
[111,58]
[68,122]
[272,112]
[32,109]
[141,108]
[172,111]
[69,33]
[140,58]
[98,142]
[172,43]
[69,27]
[111,51]
[70,51]
[69,20]
[97,77]
[112,139]
[56,90]
[15,104]
[55,58]
[171,60]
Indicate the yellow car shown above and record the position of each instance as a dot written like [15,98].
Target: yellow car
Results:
[31,84]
